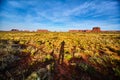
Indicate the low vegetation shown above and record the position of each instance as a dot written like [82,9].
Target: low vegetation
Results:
[59,56]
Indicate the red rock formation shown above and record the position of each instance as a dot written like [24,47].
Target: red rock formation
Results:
[79,30]
[14,30]
[96,29]
[86,30]
[42,30]
[73,30]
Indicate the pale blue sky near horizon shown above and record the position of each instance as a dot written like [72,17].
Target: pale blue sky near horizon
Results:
[59,15]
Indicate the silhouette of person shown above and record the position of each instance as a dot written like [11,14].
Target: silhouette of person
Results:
[61,54]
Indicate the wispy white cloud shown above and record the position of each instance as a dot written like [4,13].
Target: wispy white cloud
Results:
[80,9]
[16,4]
[97,8]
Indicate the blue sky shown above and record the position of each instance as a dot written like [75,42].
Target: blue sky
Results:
[59,15]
